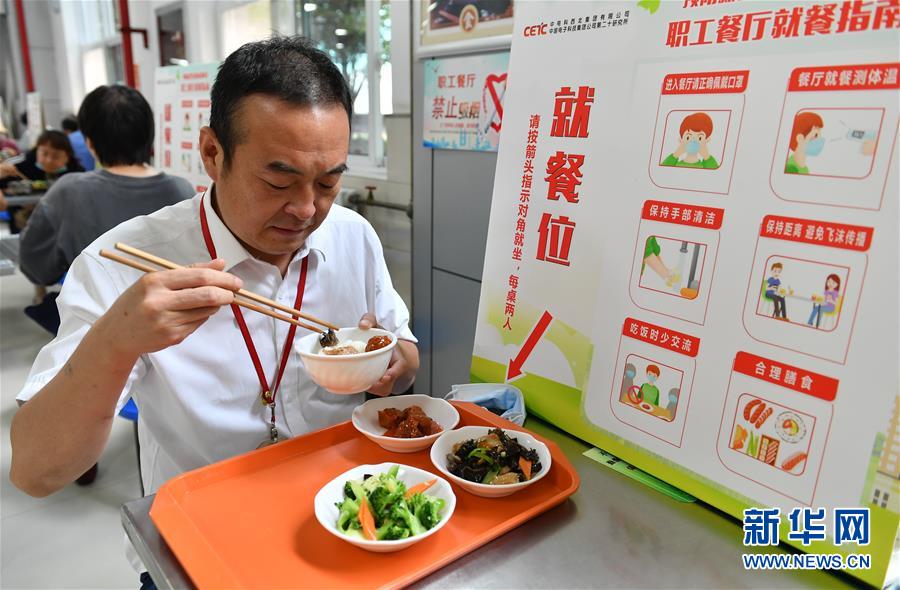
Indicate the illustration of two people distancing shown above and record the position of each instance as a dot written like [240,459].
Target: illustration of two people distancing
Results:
[817,295]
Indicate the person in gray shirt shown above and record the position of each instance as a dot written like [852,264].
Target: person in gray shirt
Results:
[117,123]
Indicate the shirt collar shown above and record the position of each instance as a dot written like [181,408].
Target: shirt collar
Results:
[229,249]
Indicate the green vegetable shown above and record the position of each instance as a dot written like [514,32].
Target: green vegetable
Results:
[396,517]
[482,454]
[490,475]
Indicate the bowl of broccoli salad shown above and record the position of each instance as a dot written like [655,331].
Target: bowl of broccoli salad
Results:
[385,507]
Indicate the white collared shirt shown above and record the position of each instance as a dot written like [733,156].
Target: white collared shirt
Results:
[198,401]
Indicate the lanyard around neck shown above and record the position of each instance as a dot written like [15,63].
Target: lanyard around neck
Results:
[267,394]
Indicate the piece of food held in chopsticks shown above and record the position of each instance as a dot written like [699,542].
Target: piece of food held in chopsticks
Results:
[493,459]
[381,507]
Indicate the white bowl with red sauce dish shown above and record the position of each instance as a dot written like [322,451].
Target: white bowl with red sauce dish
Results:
[419,434]
[347,374]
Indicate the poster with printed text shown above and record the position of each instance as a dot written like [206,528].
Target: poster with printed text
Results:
[181,108]
[464,102]
[693,249]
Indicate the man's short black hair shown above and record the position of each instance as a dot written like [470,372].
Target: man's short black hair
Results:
[119,122]
[289,68]
[70,123]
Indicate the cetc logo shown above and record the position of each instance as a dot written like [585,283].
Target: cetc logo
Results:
[536,30]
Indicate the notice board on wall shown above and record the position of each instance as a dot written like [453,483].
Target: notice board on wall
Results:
[693,249]
[181,108]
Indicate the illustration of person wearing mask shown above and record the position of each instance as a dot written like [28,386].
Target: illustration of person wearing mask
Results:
[649,391]
[693,150]
[806,141]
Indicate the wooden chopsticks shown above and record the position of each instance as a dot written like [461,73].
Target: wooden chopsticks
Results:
[241,292]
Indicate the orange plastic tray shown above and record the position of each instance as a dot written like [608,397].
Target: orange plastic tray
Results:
[248,522]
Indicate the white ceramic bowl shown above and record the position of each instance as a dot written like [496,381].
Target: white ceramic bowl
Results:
[333,492]
[444,445]
[346,374]
[365,419]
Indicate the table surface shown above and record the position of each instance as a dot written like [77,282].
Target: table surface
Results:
[22,200]
[612,533]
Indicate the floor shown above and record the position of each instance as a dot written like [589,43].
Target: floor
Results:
[74,538]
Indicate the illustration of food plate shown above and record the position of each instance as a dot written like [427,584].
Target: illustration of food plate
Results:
[772,433]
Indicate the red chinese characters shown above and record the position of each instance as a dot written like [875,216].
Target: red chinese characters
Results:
[571,116]
[522,215]
[564,176]
[572,111]
[663,337]
[555,239]
[795,378]
[806,20]
[820,233]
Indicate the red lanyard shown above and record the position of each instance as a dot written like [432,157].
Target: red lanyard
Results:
[266,394]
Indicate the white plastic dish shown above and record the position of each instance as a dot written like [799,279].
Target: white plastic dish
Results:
[333,492]
[444,445]
[365,420]
[346,374]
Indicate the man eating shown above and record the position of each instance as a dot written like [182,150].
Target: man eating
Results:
[275,148]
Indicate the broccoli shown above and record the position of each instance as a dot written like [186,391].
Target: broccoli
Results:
[401,513]
[427,509]
[391,531]
[349,511]
[382,499]
[348,491]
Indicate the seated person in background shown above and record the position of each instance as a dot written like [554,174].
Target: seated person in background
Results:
[118,124]
[8,147]
[76,138]
[51,157]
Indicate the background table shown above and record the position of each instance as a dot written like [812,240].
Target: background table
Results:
[612,533]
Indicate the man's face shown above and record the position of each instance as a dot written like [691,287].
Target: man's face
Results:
[284,172]
[776,272]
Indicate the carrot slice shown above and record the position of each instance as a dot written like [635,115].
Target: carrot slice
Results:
[525,466]
[419,488]
[366,520]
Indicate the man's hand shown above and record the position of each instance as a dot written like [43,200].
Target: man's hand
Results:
[401,371]
[163,308]
[704,151]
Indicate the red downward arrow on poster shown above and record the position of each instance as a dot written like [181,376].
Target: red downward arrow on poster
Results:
[515,365]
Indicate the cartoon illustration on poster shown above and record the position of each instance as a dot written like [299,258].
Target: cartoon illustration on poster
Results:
[694,230]
[455,21]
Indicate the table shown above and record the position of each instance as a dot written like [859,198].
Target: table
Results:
[612,533]
[23,200]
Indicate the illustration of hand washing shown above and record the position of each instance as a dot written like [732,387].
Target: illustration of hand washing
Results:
[833,142]
[683,278]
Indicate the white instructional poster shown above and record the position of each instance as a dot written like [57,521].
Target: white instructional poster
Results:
[181,108]
[692,259]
